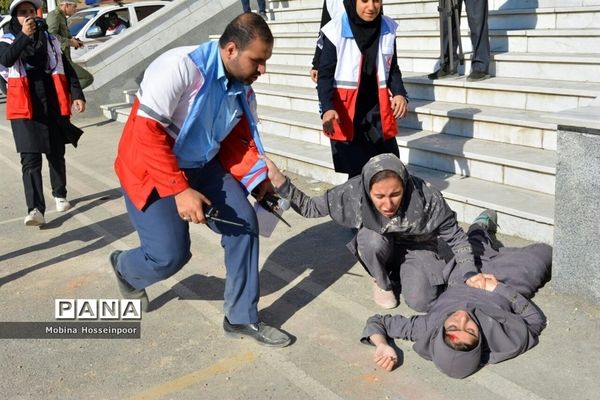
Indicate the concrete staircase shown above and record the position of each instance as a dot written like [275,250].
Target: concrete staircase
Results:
[487,144]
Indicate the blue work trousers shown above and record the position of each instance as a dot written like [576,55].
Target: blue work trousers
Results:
[165,240]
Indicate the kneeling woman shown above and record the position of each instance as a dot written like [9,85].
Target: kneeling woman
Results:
[399,220]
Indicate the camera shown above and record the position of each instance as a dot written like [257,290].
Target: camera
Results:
[40,24]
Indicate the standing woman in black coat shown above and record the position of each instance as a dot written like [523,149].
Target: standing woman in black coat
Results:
[360,85]
[42,87]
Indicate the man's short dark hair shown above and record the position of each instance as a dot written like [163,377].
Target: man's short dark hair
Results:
[244,29]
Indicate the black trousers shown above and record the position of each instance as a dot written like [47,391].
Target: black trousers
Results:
[31,168]
[477,17]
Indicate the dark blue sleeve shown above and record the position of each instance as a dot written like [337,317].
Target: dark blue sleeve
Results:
[326,75]
[325,18]
[10,53]
[395,83]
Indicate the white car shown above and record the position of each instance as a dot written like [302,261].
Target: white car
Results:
[91,25]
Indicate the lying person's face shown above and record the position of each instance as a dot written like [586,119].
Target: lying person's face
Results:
[386,195]
[368,10]
[460,330]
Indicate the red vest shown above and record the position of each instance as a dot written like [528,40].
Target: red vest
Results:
[347,76]
[141,168]
[18,96]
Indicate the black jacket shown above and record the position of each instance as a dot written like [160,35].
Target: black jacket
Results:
[47,127]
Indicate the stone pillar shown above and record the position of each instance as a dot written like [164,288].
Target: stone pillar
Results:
[576,263]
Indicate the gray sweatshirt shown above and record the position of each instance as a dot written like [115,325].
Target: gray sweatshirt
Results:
[509,325]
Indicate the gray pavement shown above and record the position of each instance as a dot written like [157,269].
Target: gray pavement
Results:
[310,286]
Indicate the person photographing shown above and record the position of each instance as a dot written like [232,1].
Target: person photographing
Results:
[42,88]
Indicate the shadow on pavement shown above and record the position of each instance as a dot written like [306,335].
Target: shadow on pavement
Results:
[118,226]
[319,255]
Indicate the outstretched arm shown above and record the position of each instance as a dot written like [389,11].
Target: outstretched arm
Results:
[385,356]
[395,326]
[303,204]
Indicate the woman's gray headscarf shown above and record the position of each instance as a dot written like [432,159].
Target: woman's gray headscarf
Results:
[422,211]
[371,217]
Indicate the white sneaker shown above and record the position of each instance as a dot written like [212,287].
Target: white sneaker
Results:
[62,204]
[35,218]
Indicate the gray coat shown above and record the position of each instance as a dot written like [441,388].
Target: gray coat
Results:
[423,216]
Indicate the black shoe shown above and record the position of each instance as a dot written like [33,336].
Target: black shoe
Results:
[475,76]
[488,220]
[442,72]
[261,332]
[128,291]
[264,15]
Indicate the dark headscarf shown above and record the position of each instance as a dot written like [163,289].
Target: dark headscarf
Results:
[35,53]
[366,34]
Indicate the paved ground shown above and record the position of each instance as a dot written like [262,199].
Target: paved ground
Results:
[310,286]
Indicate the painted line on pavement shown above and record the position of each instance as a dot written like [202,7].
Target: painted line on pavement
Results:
[176,385]
[282,365]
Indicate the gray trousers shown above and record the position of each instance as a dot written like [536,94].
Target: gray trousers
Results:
[416,273]
[422,275]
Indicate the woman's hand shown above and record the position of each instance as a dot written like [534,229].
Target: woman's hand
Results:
[385,356]
[275,175]
[476,281]
[329,118]
[399,106]
[79,105]
[313,75]
[490,282]
[29,27]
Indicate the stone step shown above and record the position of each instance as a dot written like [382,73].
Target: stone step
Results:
[511,19]
[521,212]
[513,126]
[422,6]
[117,111]
[568,17]
[559,41]
[513,165]
[575,67]
[524,94]
[522,41]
